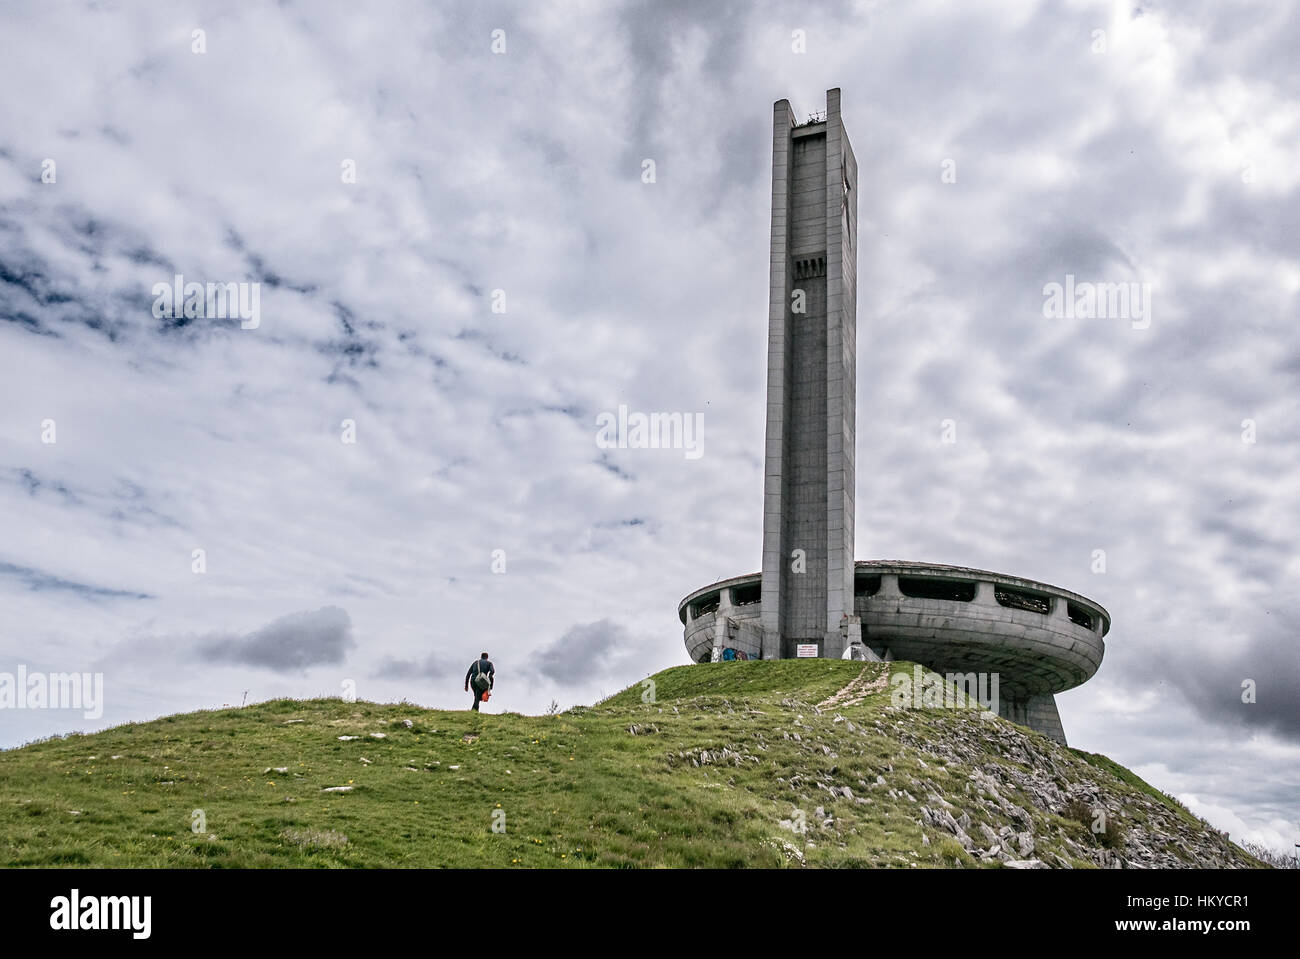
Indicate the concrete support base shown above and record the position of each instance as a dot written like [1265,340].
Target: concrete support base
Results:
[1039,713]
[1044,717]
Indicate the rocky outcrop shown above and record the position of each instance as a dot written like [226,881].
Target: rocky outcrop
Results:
[1128,827]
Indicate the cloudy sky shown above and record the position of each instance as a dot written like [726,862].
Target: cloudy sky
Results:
[460,267]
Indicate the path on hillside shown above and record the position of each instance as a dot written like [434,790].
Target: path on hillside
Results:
[859,688]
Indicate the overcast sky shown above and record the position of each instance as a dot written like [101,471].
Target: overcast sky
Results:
[999,151]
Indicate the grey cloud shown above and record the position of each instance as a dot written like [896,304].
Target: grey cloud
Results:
[40,581]
[586,652]
[123,501]
[433,666]
[1208,669]
[292,642]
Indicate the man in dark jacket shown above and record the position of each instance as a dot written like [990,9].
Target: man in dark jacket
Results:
[482,676]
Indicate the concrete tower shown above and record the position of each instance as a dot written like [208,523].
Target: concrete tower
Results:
[1025,640]
[807,579]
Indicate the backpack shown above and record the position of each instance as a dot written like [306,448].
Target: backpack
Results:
[480,679]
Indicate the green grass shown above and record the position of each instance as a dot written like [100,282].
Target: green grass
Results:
[618,784]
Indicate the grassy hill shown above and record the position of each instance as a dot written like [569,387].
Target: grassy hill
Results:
[731,764]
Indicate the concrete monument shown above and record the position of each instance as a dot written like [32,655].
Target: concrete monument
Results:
[811,599]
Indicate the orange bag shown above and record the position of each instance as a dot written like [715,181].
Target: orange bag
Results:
[486,693]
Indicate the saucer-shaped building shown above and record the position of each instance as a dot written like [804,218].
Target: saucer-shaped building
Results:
[1038,639]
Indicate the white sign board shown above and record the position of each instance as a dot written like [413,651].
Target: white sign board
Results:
[806,651]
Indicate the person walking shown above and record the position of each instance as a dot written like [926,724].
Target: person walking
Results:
[482,676]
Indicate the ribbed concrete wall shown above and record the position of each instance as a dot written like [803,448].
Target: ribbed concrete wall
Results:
[778,365]
[841,174]
[808,476]
[803,595]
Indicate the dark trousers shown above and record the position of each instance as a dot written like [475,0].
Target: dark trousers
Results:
[478,697]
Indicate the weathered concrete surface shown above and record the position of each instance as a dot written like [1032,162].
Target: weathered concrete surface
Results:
[808,511]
